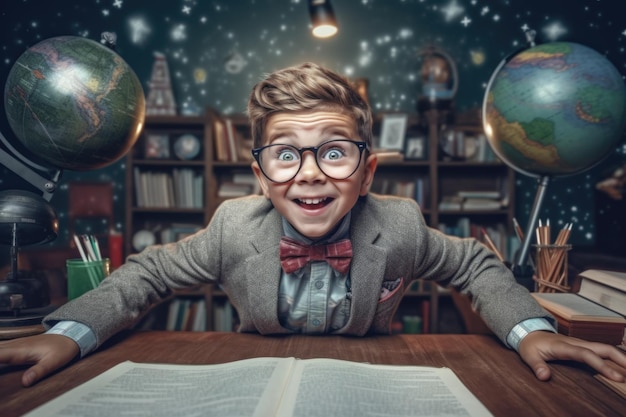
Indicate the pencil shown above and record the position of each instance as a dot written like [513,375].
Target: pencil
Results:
[518,230]
[491,245]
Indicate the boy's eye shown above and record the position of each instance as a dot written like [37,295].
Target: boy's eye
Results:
[286,154]
[333,154]
[333,150]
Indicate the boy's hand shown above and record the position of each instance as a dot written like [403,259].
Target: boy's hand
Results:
[539,347]
[47,353]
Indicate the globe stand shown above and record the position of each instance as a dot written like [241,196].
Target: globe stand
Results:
[25,219]
[521,269]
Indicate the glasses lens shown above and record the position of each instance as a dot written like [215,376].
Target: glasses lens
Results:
[280,163]
[337,159]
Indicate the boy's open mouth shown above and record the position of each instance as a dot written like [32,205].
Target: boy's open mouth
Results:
[313,203]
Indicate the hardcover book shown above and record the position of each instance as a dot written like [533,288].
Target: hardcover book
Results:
[607,288]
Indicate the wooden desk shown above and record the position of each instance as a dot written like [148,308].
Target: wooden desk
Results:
[496,375]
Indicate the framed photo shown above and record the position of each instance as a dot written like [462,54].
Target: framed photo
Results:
[393,131]
[415,147]
[157,146]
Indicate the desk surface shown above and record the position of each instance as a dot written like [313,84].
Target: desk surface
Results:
[496,375]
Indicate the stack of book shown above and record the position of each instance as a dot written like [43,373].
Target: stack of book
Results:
[474,201]
[596,313]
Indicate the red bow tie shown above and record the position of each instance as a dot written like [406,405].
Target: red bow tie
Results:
[294,255]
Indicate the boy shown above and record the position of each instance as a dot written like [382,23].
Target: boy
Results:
[312,136]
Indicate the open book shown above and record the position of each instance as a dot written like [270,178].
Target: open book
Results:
[269,387]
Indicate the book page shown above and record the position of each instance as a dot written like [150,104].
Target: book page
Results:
[329,387]
[137,389]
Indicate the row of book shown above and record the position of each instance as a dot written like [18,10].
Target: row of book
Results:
[241,184]
[190,314]
[597,312]
[187,314]
[470,147]
[230,145]
[224,316]
[505,243]
[180,188]
[416,189]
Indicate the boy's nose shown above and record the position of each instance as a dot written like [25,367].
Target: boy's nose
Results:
[309,169]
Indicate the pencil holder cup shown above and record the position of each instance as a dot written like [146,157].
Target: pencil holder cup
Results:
[551,268]
[83,276]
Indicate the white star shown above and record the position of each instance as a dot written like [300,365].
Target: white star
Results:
[138,29]
[466,21]
[484,11]
[554,30]
[178,33]
[452,10]
[118,4]
[186,9]
[496,17]
[105,12]
[624,32]
[525,27]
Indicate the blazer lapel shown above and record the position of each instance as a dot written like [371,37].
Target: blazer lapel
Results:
[369,263]
[263,275]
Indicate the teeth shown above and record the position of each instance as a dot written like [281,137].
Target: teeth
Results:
[313,200]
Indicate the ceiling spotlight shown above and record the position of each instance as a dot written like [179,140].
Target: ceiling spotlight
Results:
[323,19]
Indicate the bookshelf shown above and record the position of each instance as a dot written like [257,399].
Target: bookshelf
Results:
[167,186]
[167,197]
[222,165]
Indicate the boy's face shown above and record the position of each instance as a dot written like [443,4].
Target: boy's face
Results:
[312,202]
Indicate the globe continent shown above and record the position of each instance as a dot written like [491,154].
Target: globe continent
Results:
[74,103]
[554,109]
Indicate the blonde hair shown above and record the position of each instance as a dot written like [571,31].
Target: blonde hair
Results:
[306,87]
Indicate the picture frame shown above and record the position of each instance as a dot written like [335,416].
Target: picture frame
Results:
[393,131]
[157,146]
[416,148]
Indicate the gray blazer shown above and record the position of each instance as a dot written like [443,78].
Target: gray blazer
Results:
[239,251]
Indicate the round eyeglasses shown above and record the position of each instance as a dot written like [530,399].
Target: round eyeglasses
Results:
[337,159]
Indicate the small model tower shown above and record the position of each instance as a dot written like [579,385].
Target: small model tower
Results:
[160,99]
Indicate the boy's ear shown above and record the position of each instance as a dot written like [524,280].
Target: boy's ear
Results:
[368,175]
[261,179]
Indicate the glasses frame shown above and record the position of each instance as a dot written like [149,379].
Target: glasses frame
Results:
[256,153]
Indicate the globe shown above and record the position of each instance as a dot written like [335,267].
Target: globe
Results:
[554,109]
[74,103]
